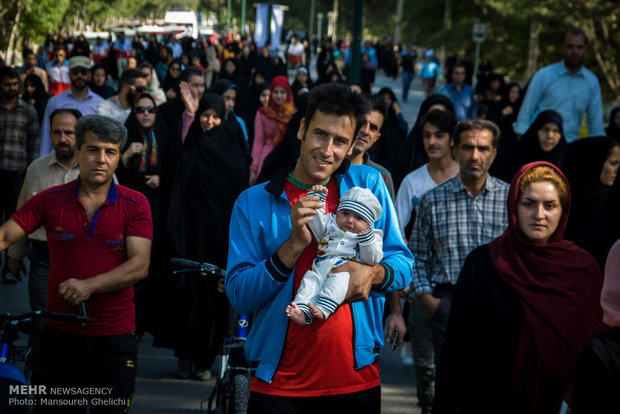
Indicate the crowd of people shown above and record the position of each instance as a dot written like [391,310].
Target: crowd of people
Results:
[134,151]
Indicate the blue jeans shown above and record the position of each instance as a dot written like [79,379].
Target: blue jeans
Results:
[407,78]
[420,330]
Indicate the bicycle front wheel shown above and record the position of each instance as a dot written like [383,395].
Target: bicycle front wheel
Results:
[239,396]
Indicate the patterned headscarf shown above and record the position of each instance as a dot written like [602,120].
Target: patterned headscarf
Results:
[280,113]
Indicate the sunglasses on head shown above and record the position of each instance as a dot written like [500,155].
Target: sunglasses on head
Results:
[79,71]
[143,109]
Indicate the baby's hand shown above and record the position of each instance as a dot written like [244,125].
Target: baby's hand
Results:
[318,188]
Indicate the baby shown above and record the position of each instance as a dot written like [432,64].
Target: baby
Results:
[347,235]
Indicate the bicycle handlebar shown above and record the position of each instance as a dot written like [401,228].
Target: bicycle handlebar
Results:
[202,267]
[59,316]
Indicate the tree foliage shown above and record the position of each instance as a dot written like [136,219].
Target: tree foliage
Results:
[424,23]
[508,32]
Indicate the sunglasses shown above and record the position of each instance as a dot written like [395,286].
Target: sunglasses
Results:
[143,109]
[138,89]
[80,71]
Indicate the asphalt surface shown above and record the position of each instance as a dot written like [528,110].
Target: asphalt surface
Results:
[159,392]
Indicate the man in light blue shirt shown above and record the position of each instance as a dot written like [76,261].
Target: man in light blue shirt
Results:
[79,96]
[428,74]
[461,94]
[568,88]
[177,49]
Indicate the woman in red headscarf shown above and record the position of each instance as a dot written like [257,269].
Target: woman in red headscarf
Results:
[270,123]
[523,308]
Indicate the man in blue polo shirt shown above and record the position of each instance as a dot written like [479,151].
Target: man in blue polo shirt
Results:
[99,237]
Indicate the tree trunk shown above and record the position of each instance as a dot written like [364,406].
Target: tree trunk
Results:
[9,51]
[65,16]
[532,57]
[311,22]
[608,67]
[399,19]
[335,21]
[447,27]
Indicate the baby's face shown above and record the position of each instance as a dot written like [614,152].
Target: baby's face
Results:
[352,222]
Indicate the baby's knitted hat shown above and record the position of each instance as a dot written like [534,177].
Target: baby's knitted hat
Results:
[363,202]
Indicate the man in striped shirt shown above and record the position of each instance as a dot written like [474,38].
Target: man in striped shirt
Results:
[454,218]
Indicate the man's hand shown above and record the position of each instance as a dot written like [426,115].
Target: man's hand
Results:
[75,291]
[395,323]
[302,213]
[430,303]
[189,98]
[17,268]
[361,279]
[152,181]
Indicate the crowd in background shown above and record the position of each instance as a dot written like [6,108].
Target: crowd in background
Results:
[206,118]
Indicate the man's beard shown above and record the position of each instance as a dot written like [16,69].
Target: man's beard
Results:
[10,95]
[64,152]
[574,63]
[80,84]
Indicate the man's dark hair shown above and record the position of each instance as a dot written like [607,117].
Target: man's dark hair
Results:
[459,64]
[106,129]
[445,121]
[59,47]
[574,31]
[8,72]
[475,125]
[377,103]
[337,99]
[145,65]
[191,71]
[77,114]
[27,52]
[129,75]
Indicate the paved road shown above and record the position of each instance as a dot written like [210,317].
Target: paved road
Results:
[157,390]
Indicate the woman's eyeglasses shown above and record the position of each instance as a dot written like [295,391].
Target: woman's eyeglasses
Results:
[144,109]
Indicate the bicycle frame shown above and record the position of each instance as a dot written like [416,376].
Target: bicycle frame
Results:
[10,326]
[232,388]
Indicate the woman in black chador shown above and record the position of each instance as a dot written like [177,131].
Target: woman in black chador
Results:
[211,174]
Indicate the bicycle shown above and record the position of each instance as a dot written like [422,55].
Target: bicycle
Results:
[231,393]
[11,325]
